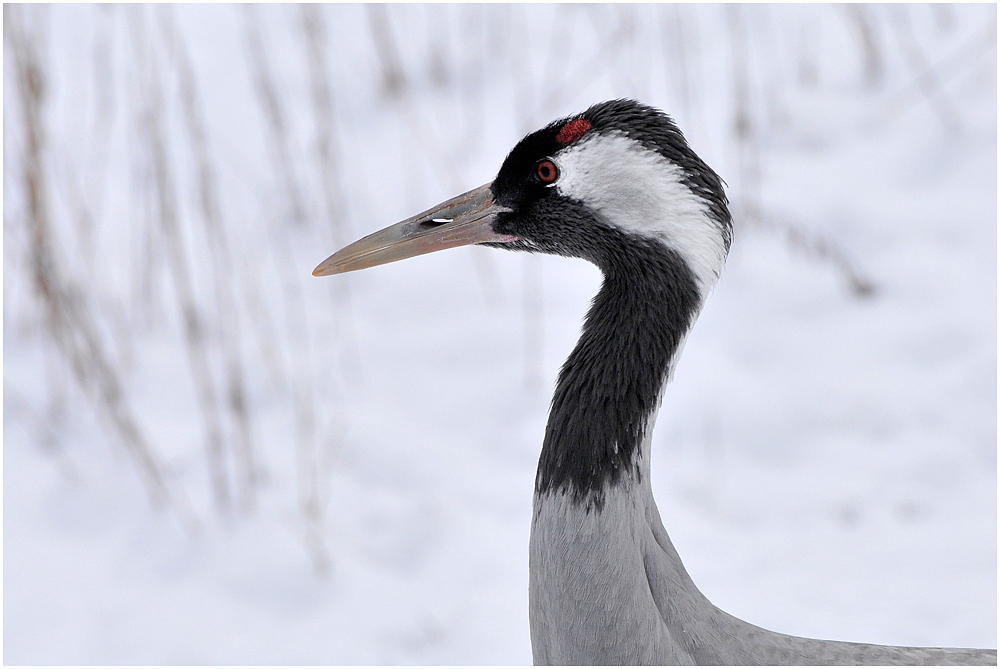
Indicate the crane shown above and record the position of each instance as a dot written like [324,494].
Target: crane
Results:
[618,186]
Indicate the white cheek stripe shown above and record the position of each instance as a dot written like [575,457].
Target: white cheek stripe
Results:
[641,192]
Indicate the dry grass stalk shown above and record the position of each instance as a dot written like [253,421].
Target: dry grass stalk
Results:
[109,305]
[194,330]
[927,78]
[303,394]
[672,30]
[813,245]
[43,430]
[940,74]
[748,204]
[807,70]
[393,79]
[330,178]
[859,18]
[312,483]
[64,303]
[748,207]
[614,39]
[271,104]
[322,97]
[223,269]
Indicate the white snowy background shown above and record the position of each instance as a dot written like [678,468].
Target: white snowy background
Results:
[825,461]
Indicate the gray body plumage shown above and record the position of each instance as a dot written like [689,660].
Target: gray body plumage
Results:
[607,587]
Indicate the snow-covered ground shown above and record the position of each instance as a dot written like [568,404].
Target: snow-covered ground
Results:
[825,463]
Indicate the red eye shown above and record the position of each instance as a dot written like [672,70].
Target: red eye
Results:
[546,171]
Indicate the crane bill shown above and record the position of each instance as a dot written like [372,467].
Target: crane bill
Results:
[462,220]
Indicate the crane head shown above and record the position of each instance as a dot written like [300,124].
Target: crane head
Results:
[588,186]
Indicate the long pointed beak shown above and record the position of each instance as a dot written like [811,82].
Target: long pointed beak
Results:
[466,219]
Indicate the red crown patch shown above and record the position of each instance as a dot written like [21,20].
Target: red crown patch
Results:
[573,131]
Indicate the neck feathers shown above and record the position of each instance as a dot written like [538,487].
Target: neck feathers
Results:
[609,388]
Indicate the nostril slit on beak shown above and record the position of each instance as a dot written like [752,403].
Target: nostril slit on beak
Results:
[434,222]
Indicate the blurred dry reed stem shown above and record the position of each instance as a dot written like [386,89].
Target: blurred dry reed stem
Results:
[44,432]
[932,89]
[613,43]
[859,17]
[675,33]
[748,206]
[180,263]
[298,323]
[331,183]
[223,270]
[819,247]
[935,77]
[393,77]
[747,146]
[322,98]
[65,303]
[271,105]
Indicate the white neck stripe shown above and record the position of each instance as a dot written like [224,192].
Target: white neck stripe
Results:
[641,192]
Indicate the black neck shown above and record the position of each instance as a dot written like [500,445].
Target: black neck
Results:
[609,386]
